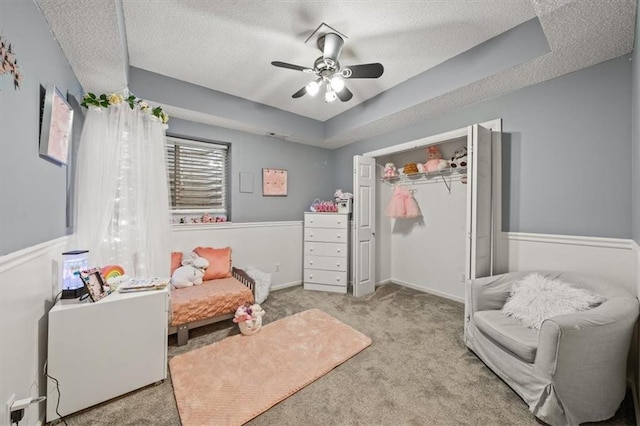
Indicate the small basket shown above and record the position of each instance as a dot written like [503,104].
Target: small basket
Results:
[250,327]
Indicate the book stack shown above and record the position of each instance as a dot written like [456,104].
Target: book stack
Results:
[143,284]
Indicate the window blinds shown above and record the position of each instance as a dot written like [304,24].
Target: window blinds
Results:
[197,175]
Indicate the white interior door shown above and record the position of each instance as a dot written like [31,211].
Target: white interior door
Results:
[364,217]
[479,202]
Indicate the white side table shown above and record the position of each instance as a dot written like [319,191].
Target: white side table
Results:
[98,351]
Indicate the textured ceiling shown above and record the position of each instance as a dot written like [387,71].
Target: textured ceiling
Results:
[227,46]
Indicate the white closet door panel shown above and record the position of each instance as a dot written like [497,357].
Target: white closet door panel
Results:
[480,202]
[326,262]
[325,277]
[325,249]
[326,235]
[326,220]
[364,169]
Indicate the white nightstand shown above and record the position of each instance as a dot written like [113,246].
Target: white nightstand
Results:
[98,351]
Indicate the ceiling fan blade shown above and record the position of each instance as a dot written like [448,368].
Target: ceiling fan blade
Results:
[345,94]
[299,93]
[374,70]
[290,66]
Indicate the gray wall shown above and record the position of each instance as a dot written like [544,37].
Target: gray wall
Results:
[636,130]
[566,151]
[32,190]
[310,171]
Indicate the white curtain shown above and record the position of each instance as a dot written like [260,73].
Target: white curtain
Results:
[121,191]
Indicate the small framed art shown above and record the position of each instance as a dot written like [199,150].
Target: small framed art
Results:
[94,282]
[274,182]
[56,125]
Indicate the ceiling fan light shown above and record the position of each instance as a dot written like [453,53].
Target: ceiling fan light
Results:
[337,83]
[313,88]
[330,95]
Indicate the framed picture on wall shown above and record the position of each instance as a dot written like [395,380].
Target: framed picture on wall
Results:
[56,124]
[274,182]
[95,283]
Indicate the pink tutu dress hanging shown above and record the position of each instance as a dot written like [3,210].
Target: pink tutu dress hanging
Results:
[402,204]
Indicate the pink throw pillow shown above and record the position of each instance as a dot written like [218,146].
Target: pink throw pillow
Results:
[176,261]
[219,262]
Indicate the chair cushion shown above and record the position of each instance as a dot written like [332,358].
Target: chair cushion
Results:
[509,333]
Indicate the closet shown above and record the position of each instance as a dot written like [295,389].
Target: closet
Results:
[452,238]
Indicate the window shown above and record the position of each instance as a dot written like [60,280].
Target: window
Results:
[197,177]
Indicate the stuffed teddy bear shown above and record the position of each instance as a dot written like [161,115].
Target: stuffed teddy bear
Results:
[435,162]
[390,170]
[190,273]
[459,158]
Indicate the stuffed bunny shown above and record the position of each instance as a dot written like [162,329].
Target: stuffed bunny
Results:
[190,273]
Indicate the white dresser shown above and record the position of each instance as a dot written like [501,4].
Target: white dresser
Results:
[326,251]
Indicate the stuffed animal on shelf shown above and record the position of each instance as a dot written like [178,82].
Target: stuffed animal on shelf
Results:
[435,162]
[390,170]
[191,271]
[459,159]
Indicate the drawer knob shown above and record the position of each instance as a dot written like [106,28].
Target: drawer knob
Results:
[310,276]
[338,236]
[339,250]
[311,235]
[311,249]
[338,279]
[339,222]
[311,262]
[338,264]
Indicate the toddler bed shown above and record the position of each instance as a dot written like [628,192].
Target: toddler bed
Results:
[212,301]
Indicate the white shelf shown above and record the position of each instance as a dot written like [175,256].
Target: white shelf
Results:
[427,177]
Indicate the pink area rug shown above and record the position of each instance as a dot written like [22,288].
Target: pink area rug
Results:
[234,380]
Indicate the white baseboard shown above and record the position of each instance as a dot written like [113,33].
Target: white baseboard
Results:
[285,285]
[426,290]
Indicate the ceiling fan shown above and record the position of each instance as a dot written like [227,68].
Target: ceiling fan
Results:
[329,73]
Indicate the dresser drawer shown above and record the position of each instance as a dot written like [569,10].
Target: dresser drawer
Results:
[326,235]
[325,249]
[325,220]
[328,263]
[325,277]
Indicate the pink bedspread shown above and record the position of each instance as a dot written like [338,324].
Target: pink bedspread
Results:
[209,299]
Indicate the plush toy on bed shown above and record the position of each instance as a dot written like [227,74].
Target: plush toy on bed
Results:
[191,271]
[435,162]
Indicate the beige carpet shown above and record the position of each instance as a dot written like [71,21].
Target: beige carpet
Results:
[234,380]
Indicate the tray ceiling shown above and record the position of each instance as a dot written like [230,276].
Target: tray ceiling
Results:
[227,47]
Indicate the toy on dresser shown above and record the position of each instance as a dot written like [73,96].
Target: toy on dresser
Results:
[435,162]
[191,271]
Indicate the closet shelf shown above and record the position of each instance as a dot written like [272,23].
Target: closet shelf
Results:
[416,178]
[423,177]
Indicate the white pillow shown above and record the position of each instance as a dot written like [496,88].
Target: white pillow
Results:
[536,298]
[263,283]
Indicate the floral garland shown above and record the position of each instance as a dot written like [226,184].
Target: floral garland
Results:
[90,99]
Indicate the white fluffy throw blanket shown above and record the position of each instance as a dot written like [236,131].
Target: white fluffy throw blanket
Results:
[536,298]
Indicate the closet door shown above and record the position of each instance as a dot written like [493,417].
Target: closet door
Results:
[479,202]
[364,217]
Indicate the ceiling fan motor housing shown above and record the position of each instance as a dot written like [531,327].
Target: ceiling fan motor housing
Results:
[331,46]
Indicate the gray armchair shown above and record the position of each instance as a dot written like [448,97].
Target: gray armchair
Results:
[574,369]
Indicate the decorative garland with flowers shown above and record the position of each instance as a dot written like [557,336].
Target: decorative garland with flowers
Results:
[90,99]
